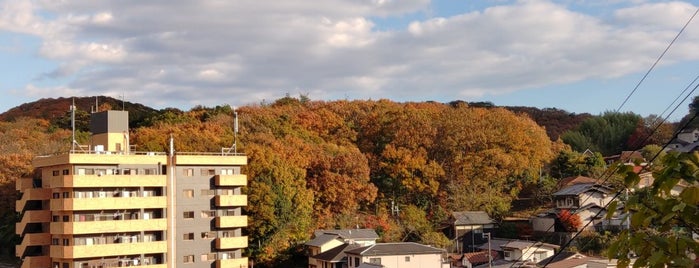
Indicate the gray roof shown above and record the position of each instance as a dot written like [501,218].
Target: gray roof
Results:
[370,265]
[471,218]
[577,189]
[336,254]
[527,244]
[404,248]
[321,240]
[364,234]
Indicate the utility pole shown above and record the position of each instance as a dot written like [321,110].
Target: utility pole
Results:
[490,255]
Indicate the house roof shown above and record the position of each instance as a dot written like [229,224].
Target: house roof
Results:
[321,240]
[480,256]
[471,218]
[577,189]
[404,248]
[370,265]
[495,244]
[563,255]
[572,262]
[518,244]
[626,157]
[575,180]
[357,234]
[336,254]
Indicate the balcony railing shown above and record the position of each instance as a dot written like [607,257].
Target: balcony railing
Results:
[106,203]
[91,251]
[33,239]
[232,263]
[231,221]
[231,180]
[36,262]
[109,181]
[231,200]
[232,242]
[32,194]
[115,226]
[32,216]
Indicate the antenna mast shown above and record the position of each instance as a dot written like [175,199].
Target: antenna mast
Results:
[235,131]
[72,125]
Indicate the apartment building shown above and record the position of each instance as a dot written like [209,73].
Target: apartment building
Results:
[109,206]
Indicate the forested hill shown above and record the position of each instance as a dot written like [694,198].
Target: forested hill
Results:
[56,111]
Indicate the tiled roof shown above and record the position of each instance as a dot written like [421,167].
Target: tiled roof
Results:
[321,240]
[350,233]
[471,218]
[576,180]
[385,249]
[577,189]
[480,256]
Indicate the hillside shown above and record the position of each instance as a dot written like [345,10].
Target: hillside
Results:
[57,110]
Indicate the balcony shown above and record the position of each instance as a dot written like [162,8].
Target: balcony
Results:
[232,263]
[231,180]
[33,239]
[76,181]
[32,194]
[103,203]
[36,262]
[232,242]
[231,200]
[231,221]
[31,216]
[92,251]
[115,226]
[21,184]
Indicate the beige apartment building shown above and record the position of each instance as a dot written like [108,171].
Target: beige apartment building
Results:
[109,206]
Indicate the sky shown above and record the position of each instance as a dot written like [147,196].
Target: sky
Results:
[582,56]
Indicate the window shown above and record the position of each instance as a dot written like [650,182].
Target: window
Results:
[208,257]
[66,195]
[375,260]
[407,258]
[56,195]
[66,242]
[55,218]
[189,172]
[207,192]
[55,172]
[208,214]
[189,193]
[507,254]
[66,218]
[208,172]
[208,235]
[356,261]
[66,172]
[54,241]
[188,236]
[188,259]
[90,171]
[188,215]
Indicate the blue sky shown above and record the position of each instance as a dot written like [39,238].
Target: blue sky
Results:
[580,56]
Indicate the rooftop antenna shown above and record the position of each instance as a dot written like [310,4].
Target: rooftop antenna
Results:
[72,124]
[97,107]
[123,101]
[235,134]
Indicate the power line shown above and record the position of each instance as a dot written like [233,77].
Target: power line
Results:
[658,60]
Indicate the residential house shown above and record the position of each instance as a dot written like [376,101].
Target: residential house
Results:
[335,257]
[468,229]
[527,251]
[686,141]
[472,259]
[627,158]
[327,240]
[395,255]
[569,181]
[567,259]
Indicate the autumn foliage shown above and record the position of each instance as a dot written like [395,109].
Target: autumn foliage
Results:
[571,222]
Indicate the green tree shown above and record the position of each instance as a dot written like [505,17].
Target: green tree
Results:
[663,216]
[607,134]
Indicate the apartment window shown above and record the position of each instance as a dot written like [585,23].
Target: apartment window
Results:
[66,218]
[127,171]
[189,172]
[55,173]
[188,236]
[66,195]
[188,214]
[208,235]
[55,218]
[54,241]
[189,193]
[66,265]
[208,214]
[507,254]
[66,242]
[208,172]
[188,259]
[66,172]
[90,171]
[207,192]
[208,257]
[407,258]
[375,260]
[56,195]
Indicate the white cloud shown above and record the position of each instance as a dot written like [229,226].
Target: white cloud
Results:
[207,52]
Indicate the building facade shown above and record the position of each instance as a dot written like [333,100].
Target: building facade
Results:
[108,206]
